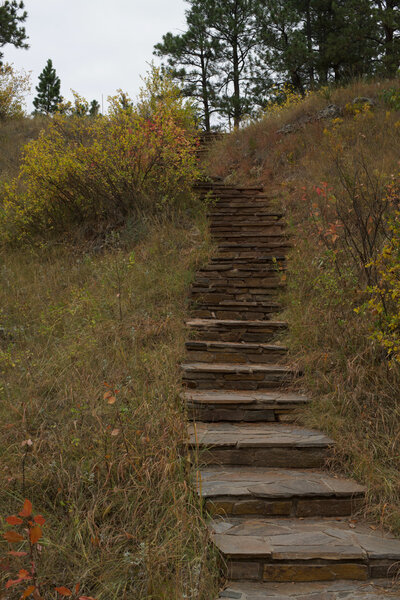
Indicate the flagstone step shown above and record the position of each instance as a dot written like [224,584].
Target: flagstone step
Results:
[234,352]
[266,227]
[243,270]
[379,589]
[236,290]
[272,406]
[229,376]
[247,258]
[236,331]
[320,549]
[235,216]
[259,445]
[252,311]
[253,238]
[258,491]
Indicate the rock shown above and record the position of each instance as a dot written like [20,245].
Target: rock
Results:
[364,100]
[332,111]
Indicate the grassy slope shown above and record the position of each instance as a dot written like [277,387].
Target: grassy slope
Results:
[111,477]
[354,389]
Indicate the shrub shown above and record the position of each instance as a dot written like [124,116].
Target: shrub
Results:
[13,87]
[103,169]
[385,296]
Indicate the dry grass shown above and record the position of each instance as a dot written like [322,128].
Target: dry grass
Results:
[91,337]
[14,134]
[355,391]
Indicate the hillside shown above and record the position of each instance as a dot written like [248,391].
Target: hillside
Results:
[332,159]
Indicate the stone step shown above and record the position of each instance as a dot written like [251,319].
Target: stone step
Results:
[252,238]
[237,286]
[271,247]
[260,226]
[236,331]
[256,259]
[226,215]
[253,311]
[234,352]
[239,491]
[204,295]
[288,550]
[244,270]
[259,445]
[271,406]
[378,589]
[228,376]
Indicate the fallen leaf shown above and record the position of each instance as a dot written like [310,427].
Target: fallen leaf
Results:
[115,432]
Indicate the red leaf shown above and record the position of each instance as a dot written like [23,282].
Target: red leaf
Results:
[24,574]
[14,520]
[39,519]
[64,591]
[12,582]
[13,537]
[35,534]
[77,587]
[86,598]
[18,554]
[27,509]
[29,590]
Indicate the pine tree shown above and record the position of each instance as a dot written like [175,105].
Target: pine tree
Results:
[11,31]
[48,91]
[191,58]
[94,108]
[234,24]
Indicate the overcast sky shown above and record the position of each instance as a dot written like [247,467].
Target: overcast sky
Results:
[96,46]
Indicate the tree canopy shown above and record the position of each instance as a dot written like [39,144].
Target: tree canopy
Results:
[12,15]
[234,52]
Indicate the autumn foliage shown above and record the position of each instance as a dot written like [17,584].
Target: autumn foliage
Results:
[102,170]
[25,562]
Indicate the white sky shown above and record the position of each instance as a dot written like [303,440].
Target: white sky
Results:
[96,46]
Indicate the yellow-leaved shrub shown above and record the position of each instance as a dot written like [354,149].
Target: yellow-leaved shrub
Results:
[102,170]
[385,296]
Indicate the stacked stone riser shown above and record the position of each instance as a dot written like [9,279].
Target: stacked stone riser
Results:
[278,507]
[237,331]
[208,352]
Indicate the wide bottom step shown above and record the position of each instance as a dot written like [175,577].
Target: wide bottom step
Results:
[337,590]
[322,549]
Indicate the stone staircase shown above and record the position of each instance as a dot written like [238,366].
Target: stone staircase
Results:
[285,528]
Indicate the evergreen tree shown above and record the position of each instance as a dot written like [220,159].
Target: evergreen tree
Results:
[387,15]
[48,91]
[192,58]
[11,31]
[234,25]
[94,108]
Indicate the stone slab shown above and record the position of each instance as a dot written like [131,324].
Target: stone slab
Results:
[336,590]
[322,540]
[256,482]
[260,435]
[262,399]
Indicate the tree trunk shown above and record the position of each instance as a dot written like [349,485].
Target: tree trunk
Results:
[204,91]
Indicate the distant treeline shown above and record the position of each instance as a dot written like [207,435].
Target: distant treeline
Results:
[235,53]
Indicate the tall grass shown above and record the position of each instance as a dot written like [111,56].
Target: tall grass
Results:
[90,345]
